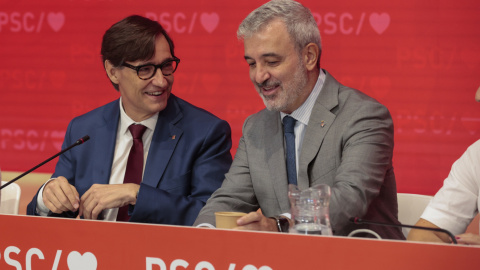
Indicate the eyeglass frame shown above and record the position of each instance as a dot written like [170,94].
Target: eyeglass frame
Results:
[159,66]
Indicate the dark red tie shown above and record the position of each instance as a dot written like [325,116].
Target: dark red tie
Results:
[134,170]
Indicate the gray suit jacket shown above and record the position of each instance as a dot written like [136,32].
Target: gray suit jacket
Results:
[351,152]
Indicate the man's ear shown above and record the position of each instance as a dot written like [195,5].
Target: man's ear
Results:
[310,56]
[112,71]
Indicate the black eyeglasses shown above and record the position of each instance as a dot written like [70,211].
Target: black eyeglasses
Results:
[147,71]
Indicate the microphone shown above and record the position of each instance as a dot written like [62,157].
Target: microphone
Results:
[78,142]
[357,220]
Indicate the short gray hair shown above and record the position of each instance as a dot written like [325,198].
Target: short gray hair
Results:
[300,23]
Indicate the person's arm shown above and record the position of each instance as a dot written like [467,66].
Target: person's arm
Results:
[41,209]
[468,239]
[58,195]
[182,203]
[100,197]
[454,206]
[256,221]
[236,192]
[366,161]
[425,235]
[432,236]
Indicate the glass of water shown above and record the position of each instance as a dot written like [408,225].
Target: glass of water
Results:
[310,210]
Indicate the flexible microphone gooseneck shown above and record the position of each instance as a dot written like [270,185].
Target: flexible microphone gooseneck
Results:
[357,220]
[78,142]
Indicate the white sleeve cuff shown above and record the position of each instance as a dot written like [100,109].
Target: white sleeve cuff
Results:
[42,210]
[208,225]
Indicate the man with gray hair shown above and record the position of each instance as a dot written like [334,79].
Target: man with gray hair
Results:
[342,137]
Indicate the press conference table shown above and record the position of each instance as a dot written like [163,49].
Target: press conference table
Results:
[52,243]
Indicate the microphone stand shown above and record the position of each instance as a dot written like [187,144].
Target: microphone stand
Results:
[78,142]
[357,220]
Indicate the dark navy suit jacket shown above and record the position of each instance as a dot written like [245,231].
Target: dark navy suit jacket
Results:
[186,163]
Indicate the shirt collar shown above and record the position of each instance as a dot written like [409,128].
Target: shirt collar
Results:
[126,121]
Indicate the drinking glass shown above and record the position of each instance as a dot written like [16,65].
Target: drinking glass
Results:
[310,210]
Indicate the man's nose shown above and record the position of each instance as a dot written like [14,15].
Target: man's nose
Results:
[159,79]
[261,74]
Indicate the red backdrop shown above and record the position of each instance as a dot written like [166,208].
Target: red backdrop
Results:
[419,58]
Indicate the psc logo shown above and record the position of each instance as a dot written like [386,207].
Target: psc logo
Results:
[31,22]
[203,265]
[182,23]
[75,260]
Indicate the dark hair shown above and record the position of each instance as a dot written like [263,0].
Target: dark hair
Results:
[132,39]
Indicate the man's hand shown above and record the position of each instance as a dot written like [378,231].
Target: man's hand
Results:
[256,221]
[100,197]
[468,239]
[59,196]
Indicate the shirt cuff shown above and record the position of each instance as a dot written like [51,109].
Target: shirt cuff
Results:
[208,225]
[42,210]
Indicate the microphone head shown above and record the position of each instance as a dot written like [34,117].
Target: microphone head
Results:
[82,140]
[355,220]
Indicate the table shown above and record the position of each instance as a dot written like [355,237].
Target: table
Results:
[54,243]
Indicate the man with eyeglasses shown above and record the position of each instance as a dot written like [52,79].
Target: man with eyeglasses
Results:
[152,157]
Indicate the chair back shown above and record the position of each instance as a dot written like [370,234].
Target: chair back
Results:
[410,208]
[10,199]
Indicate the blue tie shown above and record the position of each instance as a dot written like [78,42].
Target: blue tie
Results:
[288,127]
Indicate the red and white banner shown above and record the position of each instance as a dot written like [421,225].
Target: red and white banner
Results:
[419,58]
[51,243]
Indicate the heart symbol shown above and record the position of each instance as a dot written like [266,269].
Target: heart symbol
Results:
[379,22]
[209,21]
[56,20]
[76,261]
[57,138]
[252,267]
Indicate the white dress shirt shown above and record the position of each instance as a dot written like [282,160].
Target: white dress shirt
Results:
[458,200]
[302,115]
[123,144]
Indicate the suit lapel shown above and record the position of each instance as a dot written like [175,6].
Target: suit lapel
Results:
[105,139]
[275,154]
[164,140]
[320,121]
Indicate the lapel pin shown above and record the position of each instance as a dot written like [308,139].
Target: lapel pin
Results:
[173,137]
[322,123]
